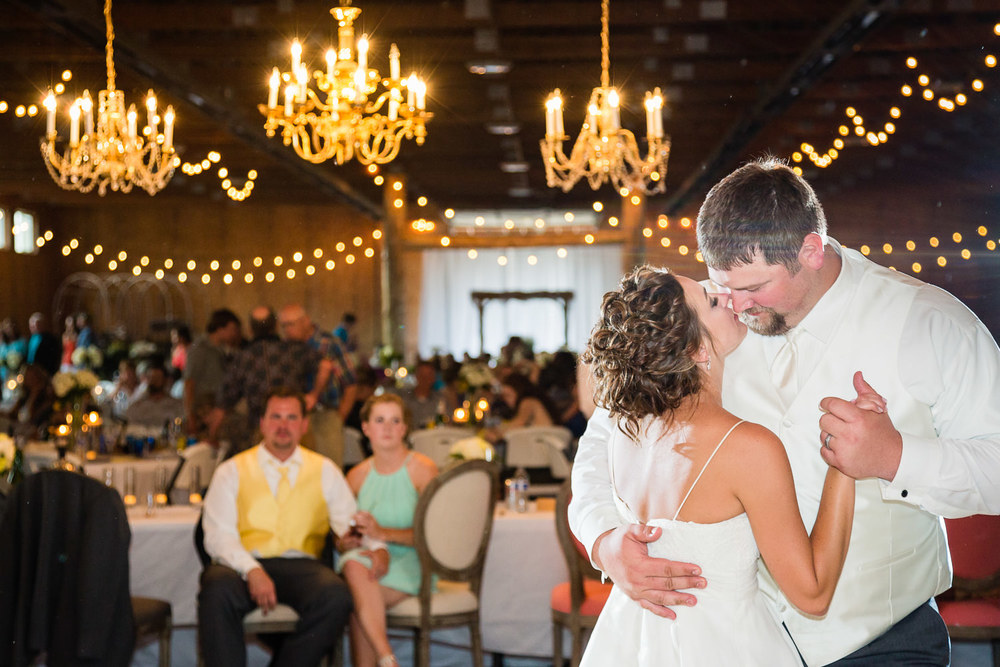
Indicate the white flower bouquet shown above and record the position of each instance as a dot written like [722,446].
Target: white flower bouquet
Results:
[74,384]
[470,449]
[87,357]
[475,375]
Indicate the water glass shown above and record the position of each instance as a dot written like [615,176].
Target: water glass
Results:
[194,486]
[160,497]
[129,496]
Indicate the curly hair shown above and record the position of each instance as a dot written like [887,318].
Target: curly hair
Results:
[641,352]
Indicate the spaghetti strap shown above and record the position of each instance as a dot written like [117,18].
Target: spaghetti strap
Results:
[695,482]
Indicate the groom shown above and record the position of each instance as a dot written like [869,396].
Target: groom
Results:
[818,313]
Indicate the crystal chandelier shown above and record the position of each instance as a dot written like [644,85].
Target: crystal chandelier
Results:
[110,152]
[348,117]
[605,151]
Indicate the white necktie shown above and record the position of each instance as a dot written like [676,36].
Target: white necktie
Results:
[784,367]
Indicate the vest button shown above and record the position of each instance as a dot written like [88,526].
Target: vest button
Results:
[787,423]
[904,493]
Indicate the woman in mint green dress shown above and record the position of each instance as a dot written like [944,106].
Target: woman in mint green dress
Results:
[387,485]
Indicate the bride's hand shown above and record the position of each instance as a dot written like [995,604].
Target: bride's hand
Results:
[868,398]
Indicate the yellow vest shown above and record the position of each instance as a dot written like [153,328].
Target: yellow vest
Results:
[270,528]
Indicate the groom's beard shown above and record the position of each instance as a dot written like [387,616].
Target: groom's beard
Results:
[764,321]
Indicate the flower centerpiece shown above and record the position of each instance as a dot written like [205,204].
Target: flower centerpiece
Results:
[471,449]
[89,357]
[475,376]
[11,463]
[73,389]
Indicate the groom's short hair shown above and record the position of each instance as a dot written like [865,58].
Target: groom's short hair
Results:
[763,206]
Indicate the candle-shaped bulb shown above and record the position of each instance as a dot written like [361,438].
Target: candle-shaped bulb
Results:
[272,88]
[411,90]
[363,53]
[87,107]
[331,63]
[394,63]
[296,55]
[421,89]
[74,115]
[289,98]
[50,105]
[133,121]
[303,82]
[168,128]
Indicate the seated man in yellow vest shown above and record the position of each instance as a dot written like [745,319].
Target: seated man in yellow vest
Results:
[266,516]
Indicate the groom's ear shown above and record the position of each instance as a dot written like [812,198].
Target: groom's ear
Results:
[811,253]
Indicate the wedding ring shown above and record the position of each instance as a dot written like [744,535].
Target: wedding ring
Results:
[826,441]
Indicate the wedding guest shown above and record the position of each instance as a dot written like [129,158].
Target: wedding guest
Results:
[180,341]
[43,346]
[33,411]
[334,402]
[366,382]
[267,514]
[267,362]
[207,359]
[529,406]
[558,382]
[156,407]
[819,312]
[85,332]
[13,348]
[423,400]
[345,332]
[126,388]
[69,336]
[387,486]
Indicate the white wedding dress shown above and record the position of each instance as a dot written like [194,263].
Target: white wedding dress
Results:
[731,624]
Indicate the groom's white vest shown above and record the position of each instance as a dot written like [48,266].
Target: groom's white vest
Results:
[898,557]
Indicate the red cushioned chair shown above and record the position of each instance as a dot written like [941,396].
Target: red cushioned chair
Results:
[972,608]
[576,603]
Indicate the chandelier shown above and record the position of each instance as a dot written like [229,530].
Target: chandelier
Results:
[348,117]
[110,151]
[605,151]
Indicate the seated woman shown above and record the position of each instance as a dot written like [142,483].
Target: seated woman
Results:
[387,485]
[530,407]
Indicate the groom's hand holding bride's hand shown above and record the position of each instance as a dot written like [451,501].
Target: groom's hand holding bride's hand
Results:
[655,583]
[858,436]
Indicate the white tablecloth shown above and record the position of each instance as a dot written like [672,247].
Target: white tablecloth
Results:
[163,561]
[523,563]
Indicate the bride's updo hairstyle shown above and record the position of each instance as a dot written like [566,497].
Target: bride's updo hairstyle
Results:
[641,352]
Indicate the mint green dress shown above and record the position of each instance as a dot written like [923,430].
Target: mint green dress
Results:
[392,500]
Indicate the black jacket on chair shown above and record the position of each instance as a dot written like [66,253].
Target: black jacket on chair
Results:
[64,573]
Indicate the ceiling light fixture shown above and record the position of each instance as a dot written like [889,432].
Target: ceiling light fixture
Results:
[111,152]
[348,118]
[604,151]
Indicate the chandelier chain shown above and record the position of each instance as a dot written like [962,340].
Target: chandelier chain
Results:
[109,49]
[605,49]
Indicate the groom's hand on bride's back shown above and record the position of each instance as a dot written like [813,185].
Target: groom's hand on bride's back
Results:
[655,583]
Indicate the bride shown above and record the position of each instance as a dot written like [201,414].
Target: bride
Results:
[720,488]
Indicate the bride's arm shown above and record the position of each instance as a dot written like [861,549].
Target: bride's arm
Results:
[806,567]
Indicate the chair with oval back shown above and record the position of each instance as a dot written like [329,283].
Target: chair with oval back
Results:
[451,531]
[576,603]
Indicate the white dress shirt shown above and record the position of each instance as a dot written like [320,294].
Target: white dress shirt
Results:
[220,512]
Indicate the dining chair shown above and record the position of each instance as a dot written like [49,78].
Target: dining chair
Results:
[201,456]
[64,576]
[282,618]
[576,603]
[971,609]
[354,453]
[451,531]
[436,442]
[540,447]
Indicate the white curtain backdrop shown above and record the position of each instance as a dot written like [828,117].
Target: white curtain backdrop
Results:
[449,320]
